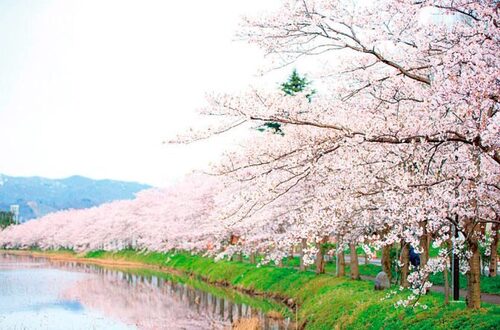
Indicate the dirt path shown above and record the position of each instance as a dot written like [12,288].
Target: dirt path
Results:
[485,297]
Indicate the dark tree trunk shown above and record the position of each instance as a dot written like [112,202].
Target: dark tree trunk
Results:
[386,261]
[405,260]
[341,264]
[473,234]
[320,261]
[473,277]
[354,262]
[494,246]
[474,274]
[252,258]
[424,244]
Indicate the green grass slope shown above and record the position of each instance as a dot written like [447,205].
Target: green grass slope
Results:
[324,302]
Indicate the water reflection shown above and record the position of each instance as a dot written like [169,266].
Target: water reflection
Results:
[128,299]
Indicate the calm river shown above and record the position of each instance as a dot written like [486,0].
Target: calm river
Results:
[37,293]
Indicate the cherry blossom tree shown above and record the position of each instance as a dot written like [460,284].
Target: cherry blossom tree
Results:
[176,217]
[410,122]
[401,144]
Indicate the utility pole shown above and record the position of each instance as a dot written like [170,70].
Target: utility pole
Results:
[455,267]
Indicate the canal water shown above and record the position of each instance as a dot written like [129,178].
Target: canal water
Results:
[38,293]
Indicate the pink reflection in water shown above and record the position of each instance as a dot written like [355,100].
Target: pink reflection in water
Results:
[11,262]
[140,303]
[145,302]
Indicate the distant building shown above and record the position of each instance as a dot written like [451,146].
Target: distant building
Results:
[14,209]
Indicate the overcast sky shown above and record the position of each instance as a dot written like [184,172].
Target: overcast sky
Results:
[94,87]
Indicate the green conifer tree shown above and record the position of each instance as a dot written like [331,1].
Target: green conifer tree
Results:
[6,219]
[295,84]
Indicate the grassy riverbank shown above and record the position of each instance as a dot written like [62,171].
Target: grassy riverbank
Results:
[488,284]
[268,306]
[324,302]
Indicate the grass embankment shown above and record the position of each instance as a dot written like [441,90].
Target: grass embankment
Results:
[324,302]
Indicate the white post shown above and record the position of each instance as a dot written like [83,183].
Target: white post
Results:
[14,209]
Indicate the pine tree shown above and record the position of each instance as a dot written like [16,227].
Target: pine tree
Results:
[295,84]
[6,219]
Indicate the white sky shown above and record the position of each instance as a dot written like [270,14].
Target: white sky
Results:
[93,87]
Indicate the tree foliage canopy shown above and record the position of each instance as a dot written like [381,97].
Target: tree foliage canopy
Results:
[6,219]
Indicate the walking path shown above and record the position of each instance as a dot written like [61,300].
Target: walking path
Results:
[485,297]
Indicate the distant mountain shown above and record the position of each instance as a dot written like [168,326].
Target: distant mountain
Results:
[38,196]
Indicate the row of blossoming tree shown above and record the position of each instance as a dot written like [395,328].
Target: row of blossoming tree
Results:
[404,146]
[400,146]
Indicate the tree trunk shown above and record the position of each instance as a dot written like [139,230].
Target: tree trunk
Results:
[386,261]
[303,246]
[320,262]
[405,260]
[341,264]
[494,246]
[424,244]
[354,262]
[252,258]
[473,276]
[473,234]
[366,258]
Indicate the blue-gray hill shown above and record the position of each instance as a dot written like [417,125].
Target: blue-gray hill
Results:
[38,196]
